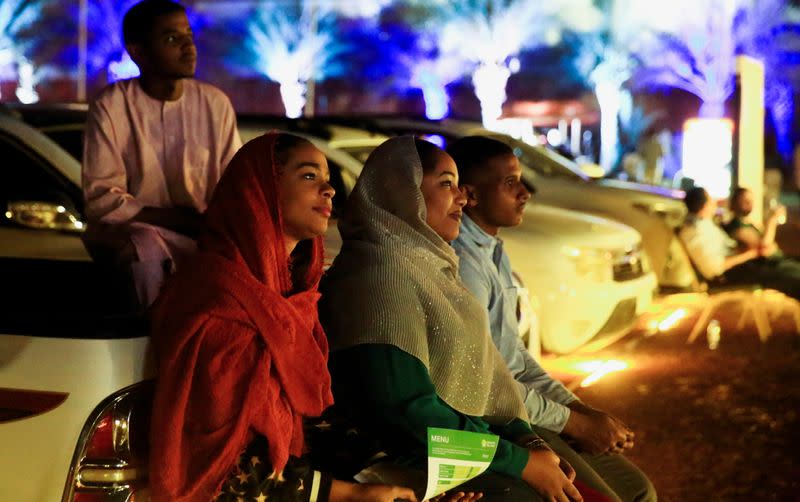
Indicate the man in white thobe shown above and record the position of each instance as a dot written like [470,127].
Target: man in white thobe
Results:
[154,150]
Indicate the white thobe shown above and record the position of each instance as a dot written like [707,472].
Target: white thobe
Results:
[140,151]
[707,245]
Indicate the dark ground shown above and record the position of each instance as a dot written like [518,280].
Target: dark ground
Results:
[711,425]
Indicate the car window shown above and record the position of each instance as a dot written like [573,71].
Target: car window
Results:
[66,299]
[25,176]
[68,136]
[360,153]
[543,161]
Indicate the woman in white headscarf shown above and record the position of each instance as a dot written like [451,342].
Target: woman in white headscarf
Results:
[410,344]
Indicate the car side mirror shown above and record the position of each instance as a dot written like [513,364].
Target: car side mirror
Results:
[44,216]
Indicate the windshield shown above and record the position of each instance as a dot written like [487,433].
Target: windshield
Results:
[542,161]
[360,153]
[535,160]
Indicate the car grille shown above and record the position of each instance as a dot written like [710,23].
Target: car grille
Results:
[628,265]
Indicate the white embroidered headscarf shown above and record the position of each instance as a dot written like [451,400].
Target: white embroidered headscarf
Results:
[396,282]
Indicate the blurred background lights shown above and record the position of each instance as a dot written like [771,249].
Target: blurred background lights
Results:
[554,137]
[707,154]
[125,68]
[601,369]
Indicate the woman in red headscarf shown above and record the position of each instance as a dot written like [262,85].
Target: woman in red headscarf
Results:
[242,358]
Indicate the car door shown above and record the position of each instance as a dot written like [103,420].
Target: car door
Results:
[66,339]
[31,191]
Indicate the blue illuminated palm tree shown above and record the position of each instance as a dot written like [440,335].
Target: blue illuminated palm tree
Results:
[606,64]
[15,17]
[404,43]
[351,8]
[389,51]
[699,58]
[768,32]
[291,50]
[399,50]
[489,34]
[106,47]
[431,73]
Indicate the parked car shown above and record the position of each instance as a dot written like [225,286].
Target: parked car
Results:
[586,275]
[654,212]
[72,356]
[74,363]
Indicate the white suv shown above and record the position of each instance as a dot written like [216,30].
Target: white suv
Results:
[72,359]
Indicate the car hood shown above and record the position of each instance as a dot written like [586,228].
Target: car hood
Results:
[67,165]
[551,225]
[669,193]
[665,203]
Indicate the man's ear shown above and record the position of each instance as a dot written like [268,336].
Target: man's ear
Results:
[472,194]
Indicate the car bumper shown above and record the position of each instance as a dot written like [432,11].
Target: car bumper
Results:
[579,311]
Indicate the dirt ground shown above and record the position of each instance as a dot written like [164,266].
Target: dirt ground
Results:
[711,425]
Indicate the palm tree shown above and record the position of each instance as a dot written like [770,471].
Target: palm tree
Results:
[699,57]
[28,79]
[292,51]
[769,31]
[431,75]
[606,63]
[106,48]
[15,16]
[489,35]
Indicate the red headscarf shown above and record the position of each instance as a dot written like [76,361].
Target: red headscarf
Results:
[239,347]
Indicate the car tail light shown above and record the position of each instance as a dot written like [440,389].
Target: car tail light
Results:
[110,460]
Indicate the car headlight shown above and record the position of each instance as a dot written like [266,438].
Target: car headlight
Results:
[591,264]
[630,263]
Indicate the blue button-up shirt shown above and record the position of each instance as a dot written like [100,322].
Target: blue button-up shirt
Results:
[486,271]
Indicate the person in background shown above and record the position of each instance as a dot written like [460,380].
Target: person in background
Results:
[716,255]
[747,233]
[496,198]
[796,167]
[652,151]
[410,344]
[240,351]
[154,149]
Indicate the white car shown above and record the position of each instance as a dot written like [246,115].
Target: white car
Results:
[75,367]
[72,359]
[587,276]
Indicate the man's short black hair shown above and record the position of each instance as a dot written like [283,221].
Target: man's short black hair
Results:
[139,20]
[695,199]
[736,195]
[471,153]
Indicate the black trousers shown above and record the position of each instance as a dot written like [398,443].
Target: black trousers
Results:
[774,272]
[499,488]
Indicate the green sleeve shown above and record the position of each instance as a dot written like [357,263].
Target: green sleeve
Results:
[392,388]
[513,430]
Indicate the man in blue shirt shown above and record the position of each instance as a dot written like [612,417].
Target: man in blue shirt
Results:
[496,197]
